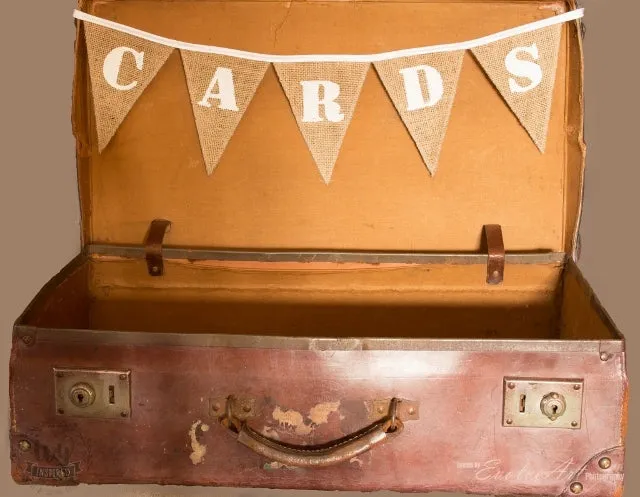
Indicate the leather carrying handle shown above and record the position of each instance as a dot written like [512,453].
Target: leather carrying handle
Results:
[328,454]
[321,456]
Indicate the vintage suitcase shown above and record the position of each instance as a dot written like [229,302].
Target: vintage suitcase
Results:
[370,334]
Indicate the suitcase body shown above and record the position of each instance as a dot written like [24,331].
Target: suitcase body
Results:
[352,343]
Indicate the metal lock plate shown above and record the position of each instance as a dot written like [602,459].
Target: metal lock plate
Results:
[92,393]
[535,403]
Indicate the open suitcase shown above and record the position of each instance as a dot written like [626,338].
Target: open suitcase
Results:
[376,333]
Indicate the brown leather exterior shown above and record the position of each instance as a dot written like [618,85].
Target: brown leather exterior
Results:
[458,444]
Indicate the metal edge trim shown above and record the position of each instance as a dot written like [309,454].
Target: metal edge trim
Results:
[103,337]
[137,252]
[577,476]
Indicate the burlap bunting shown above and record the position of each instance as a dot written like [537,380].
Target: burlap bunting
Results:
[426,119]
[532,107]
[217,118]
[139,61]
[520,62]
[324,137]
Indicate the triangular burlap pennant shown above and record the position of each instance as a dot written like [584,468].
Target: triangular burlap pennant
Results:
[422,87]
[514,77]
[130,63]
[323,127]
[221,88]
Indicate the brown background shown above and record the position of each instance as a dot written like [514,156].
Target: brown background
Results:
[40,218]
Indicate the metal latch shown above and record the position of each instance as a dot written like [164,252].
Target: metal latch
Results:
[92,393]
[534,403]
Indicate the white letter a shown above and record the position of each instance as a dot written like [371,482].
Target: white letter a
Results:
[223,78]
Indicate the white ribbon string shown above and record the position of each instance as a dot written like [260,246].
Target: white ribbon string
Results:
[448,47]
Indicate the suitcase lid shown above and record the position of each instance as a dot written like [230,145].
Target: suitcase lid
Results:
[266,192]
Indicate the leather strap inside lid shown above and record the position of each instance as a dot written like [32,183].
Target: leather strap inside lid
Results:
[153,246]
[495,249]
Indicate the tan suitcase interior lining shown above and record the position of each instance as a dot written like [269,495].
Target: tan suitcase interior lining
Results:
[323,300]
[266,192]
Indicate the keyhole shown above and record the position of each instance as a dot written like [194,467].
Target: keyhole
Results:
[553,405]
[523,403]
[82,395]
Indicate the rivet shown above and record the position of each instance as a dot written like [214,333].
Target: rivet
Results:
[512,385]
[380,409]
[155,269]
[509,421]
[215,407]
[61,411]
[604,463]
[246,408]
[412,411]
[574,424]
[24,445]
[576,487]
[27,339]
[604,356]
[123,376]
[577,387]
[124,414]
[495,273]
